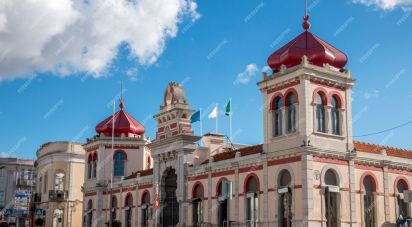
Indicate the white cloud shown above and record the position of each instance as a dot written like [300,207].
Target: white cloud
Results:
[132,73]
[244,77]
[70,36]
[368,95]
[385,4]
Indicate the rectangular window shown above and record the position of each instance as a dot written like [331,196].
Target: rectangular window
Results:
[46,179]
[1,198]
[2,171]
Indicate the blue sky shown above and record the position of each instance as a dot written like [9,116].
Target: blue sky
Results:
[206,55]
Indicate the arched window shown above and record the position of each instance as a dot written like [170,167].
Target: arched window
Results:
[331,198]
[277,116]
[335,116]
[197,205]
[320,112]
[402,186]
[119,160]
[114,208]
[369,201]
[291,101]
[128,213]
[89,214]
[89,166]
[59,180]
[94,165]
[145,208]
[252,201]
[285,199]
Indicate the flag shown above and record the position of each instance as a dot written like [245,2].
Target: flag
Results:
[228,111]
[195,117]
[213,114]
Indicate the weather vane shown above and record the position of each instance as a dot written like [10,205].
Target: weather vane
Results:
[306,24]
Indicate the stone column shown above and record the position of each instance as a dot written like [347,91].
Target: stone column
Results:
[386,193]
[100,215]
[209,196]
[307,189]
[236,185]
[352,193]
[265,193]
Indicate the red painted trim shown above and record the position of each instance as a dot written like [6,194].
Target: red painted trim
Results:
[401,178]
[173,125]
[374,181]
[317,186]
[161,129]
[120,151]
[368,167]
[223,173]
[330,160]
[196,178]
[198,184]
[87,194]
[145,186]
[282,87]
[327,85]
[338,98]
[287,93]
[284,161]
[275,97]
[248,177]
[218,191]
[145,192]
[298,186]
[174,133]
[250,169]
[129,189]
[398,171]
[322,91]
[122,147]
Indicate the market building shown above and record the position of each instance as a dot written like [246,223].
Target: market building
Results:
[307,172]
[58,200]
[17,183]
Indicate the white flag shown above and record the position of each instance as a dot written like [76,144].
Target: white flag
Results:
[213,114]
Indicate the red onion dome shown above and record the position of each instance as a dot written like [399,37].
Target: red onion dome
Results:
[124,123]
[318,52]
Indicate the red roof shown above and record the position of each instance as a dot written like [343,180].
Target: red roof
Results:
[123,123]
[376,149]
[318,52]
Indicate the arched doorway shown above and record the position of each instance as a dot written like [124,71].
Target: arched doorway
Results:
[222,217]
[170,213]
[369,186]
[197,205]
[331,198]
[128,210]
[89,214]
[285,199]
[252,201]
[401,186]
[145,208]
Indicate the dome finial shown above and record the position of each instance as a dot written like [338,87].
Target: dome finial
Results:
[306,23]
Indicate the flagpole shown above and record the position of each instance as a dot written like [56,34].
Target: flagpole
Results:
[217,117]
[201,127]
[111,175]
[230,119]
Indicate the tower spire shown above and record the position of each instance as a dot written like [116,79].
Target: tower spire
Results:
[121,105]
[306,23]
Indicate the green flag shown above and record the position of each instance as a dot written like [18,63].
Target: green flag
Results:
[228,111]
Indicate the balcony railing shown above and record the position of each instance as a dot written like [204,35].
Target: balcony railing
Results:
[25,182]
[57,195]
